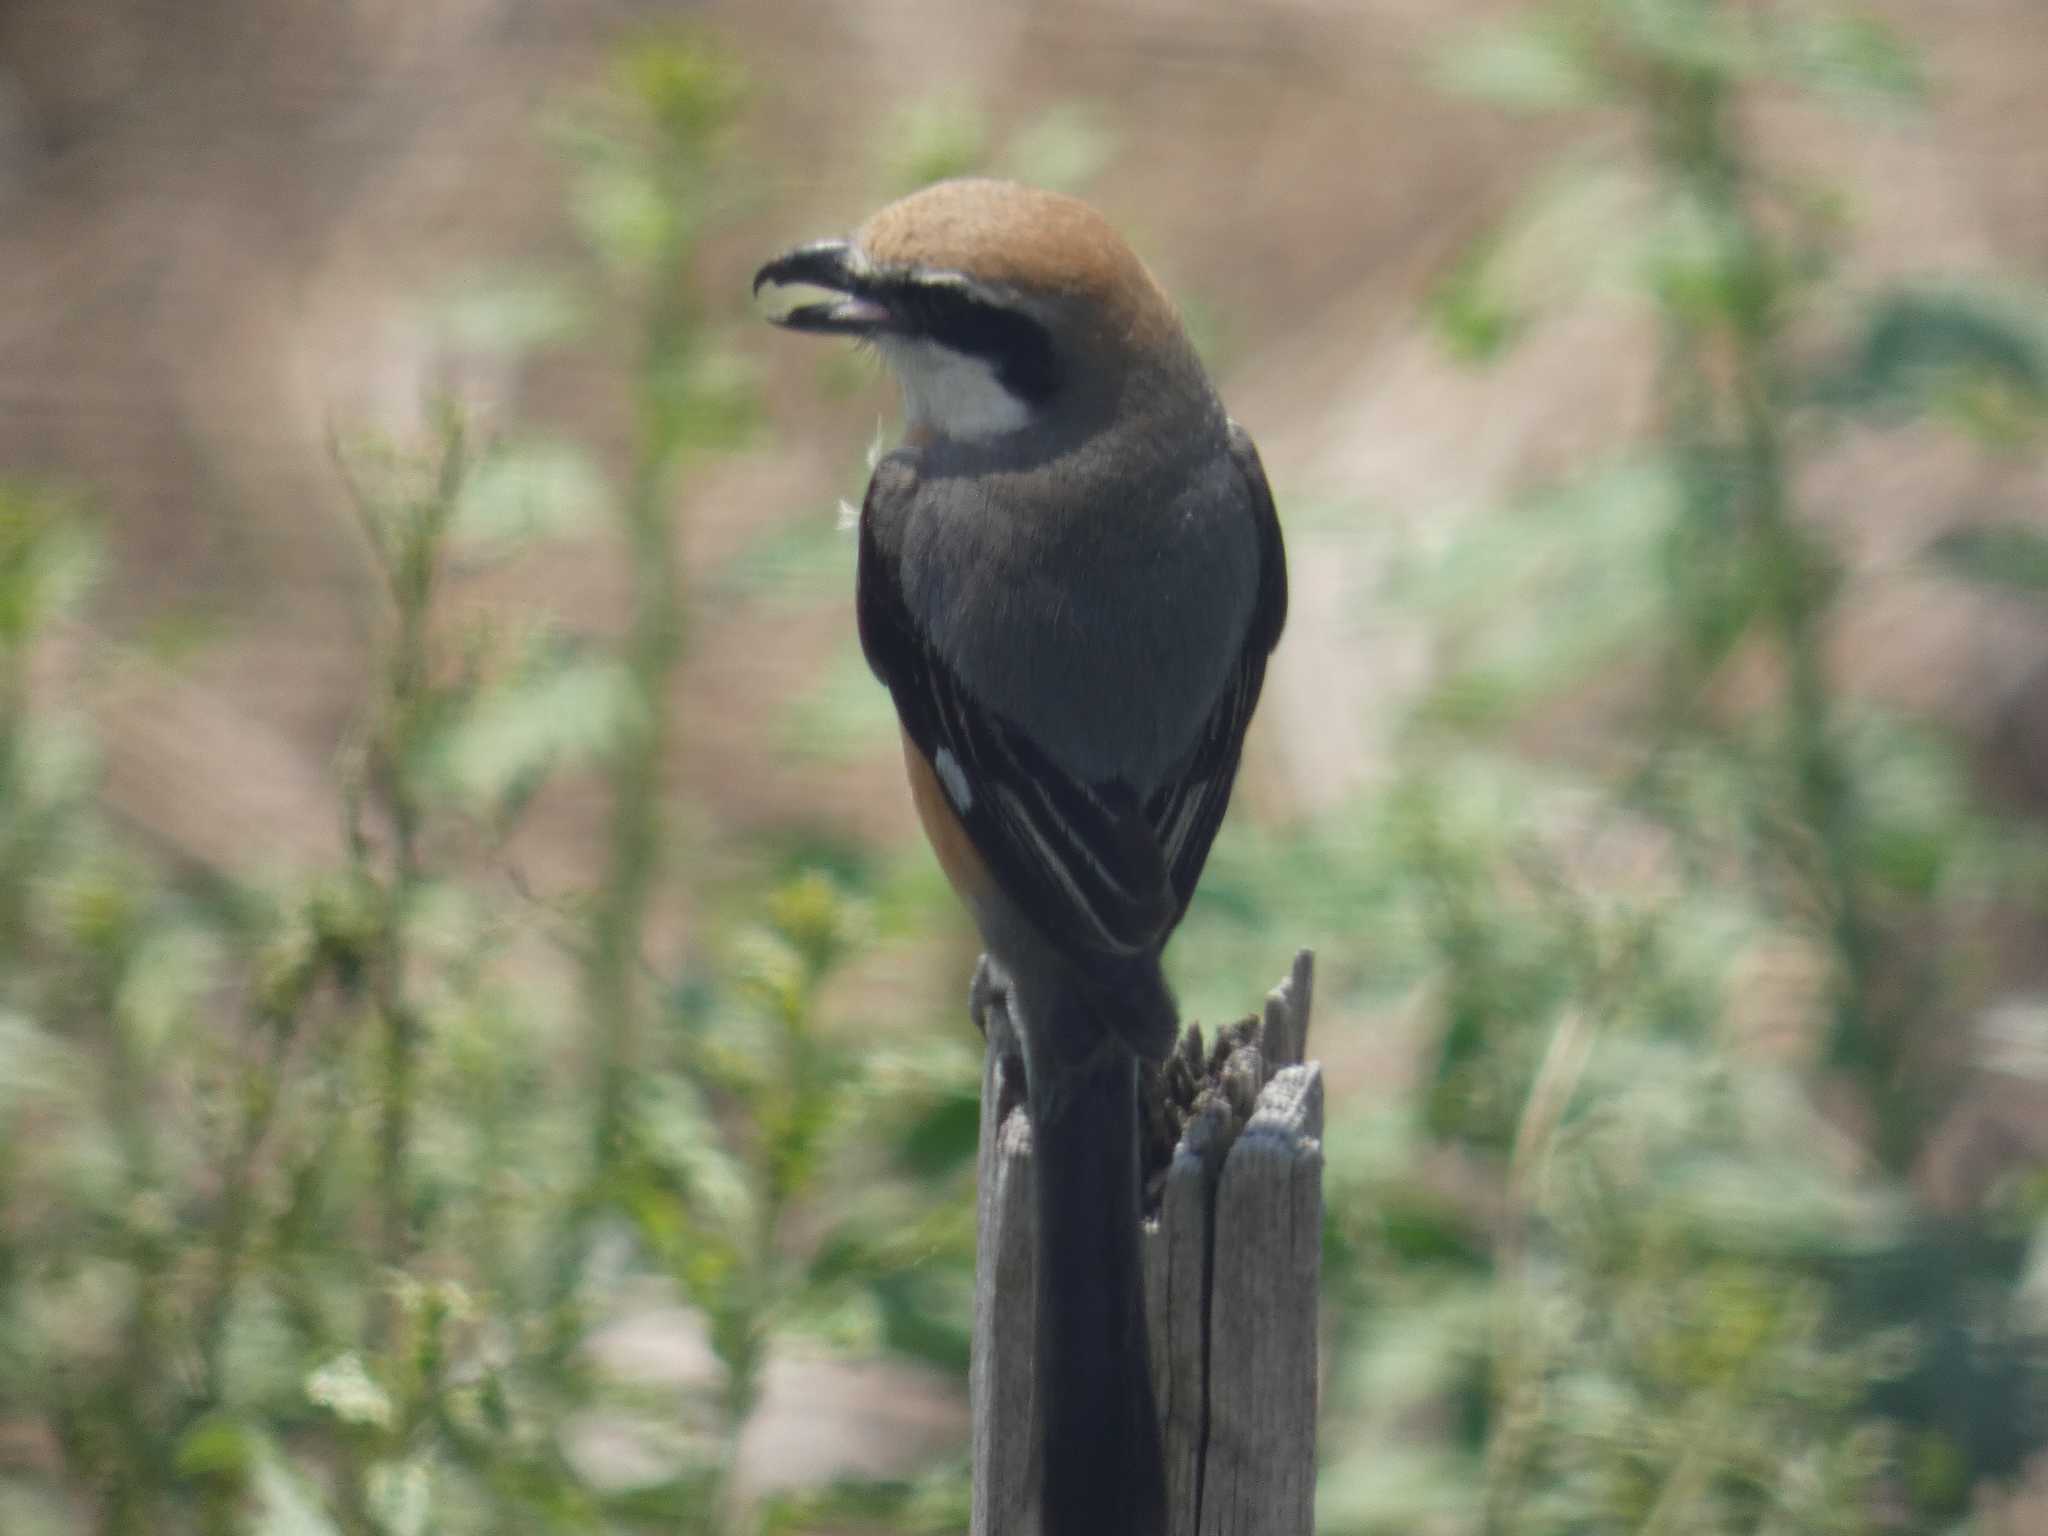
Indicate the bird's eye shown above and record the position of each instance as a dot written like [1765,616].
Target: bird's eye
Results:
[1018,348]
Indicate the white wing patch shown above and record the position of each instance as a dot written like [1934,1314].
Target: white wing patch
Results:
[955,779]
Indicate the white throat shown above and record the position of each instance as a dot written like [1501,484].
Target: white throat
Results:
[950,393]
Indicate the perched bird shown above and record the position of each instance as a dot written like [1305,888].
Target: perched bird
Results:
[1070,578]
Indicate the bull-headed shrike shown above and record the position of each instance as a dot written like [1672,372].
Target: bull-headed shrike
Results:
[1070,579]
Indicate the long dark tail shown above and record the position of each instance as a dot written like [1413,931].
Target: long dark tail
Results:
[1102,1472]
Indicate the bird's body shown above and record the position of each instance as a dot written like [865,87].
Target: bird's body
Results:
[1070,578]
[1171,547]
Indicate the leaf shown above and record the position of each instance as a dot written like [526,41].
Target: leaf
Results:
[1473,317]
[521,730]
[1400,1488]
[1856,58]
[34,1066]
[345,1388]
[674,1503]
[693,1196]
[845,1320]
[705,398]
[28,1508]
[172,968]
[401,1496]
[810,912]
[691,89]
[1420,1227]
[1914,796]
[1537,63]
[285,1504]
[218,1446]
[843,716]
[1551,589]
[935,1506]
[621,211]
[1065,148]
[1923,349]
[1707,41]
[941,1139]
[47,560]
[510,316]
[1557,247]
[935,139]
[2012,1040]
[1698,260]
[926,1314]
[2012,557]
[790,563]
[53,773]
[528,491]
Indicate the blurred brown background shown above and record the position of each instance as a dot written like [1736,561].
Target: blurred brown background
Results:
[219,224]
[224,229]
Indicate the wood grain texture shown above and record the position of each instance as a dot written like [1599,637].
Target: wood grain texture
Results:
[1232,1265]
[1000,1368]
[1259,1470]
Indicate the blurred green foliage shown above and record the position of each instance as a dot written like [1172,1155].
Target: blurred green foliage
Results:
[1610,1267]
[317,1200]
[313,1196]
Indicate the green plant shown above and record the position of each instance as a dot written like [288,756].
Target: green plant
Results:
[316,1201]
[1665,1313]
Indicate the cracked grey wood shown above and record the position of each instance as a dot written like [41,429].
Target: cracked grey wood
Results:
[1232,1265]
[1176,1290]
[1000,1367]
[1268,1225]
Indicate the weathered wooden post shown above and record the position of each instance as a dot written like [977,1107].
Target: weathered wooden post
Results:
[1232,1259]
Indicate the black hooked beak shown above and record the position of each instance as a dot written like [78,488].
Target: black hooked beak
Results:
[846,309]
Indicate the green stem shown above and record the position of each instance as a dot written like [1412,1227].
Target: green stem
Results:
[653,644]
[136,1471]
[238,1204]
[1696,147]
[408,702]
[15,833]
[652,647]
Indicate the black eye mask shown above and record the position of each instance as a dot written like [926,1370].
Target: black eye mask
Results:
[1015,346]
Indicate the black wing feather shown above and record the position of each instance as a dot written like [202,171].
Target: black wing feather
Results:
[1185,813]
[1080,860]
[1102,875]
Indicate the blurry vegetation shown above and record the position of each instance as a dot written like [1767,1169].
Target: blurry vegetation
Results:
[317,1202]
[1613,1248]
[944,136]
[306,1227]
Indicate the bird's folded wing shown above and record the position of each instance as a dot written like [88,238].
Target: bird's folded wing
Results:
[1079,860]
[1185,812]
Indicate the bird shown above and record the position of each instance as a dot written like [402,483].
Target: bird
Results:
[1070,578]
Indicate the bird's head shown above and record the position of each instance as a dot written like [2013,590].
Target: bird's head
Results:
[998,307]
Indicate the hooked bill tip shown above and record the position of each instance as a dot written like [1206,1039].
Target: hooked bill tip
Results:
[819,287]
